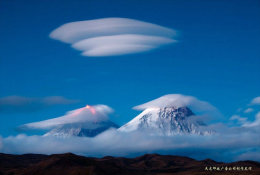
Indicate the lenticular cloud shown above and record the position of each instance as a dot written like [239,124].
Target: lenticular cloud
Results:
[86,114]
[177,100]
[113,36]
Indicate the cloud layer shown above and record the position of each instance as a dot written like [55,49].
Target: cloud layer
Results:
[83,115]
[179,100]
[18,104]
[228,145]
[113,36]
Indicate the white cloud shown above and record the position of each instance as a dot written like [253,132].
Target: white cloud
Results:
[116,143]
[241,120]
[82,115]
[245,122]
[255,123]
[113,36]
[178,100]
[248,110]
[119,44]
[255,101]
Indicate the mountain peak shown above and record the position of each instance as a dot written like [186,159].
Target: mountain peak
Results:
[180,112]
[166,121]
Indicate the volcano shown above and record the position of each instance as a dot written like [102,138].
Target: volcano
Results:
[167,121]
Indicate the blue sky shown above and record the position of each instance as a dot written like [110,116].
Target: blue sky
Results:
[216,59]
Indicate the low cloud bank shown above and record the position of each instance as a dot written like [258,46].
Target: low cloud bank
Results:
[226,146]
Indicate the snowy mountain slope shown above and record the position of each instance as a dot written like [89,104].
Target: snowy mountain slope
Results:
[167,121]
[82,130]
[87,121]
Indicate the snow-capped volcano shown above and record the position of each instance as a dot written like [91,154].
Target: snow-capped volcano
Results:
[167,121]
[87,121]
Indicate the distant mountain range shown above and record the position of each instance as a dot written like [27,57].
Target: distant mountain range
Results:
[149,164]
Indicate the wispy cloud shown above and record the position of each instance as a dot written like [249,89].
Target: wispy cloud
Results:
[245,122]
[57,100]
[255,101]
[16,104]
[85,115]
[244,115]
[248,110]
[254,123]
[113,36]
[241,120]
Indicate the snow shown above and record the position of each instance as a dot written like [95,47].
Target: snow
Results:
[166,121]
[82,130]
